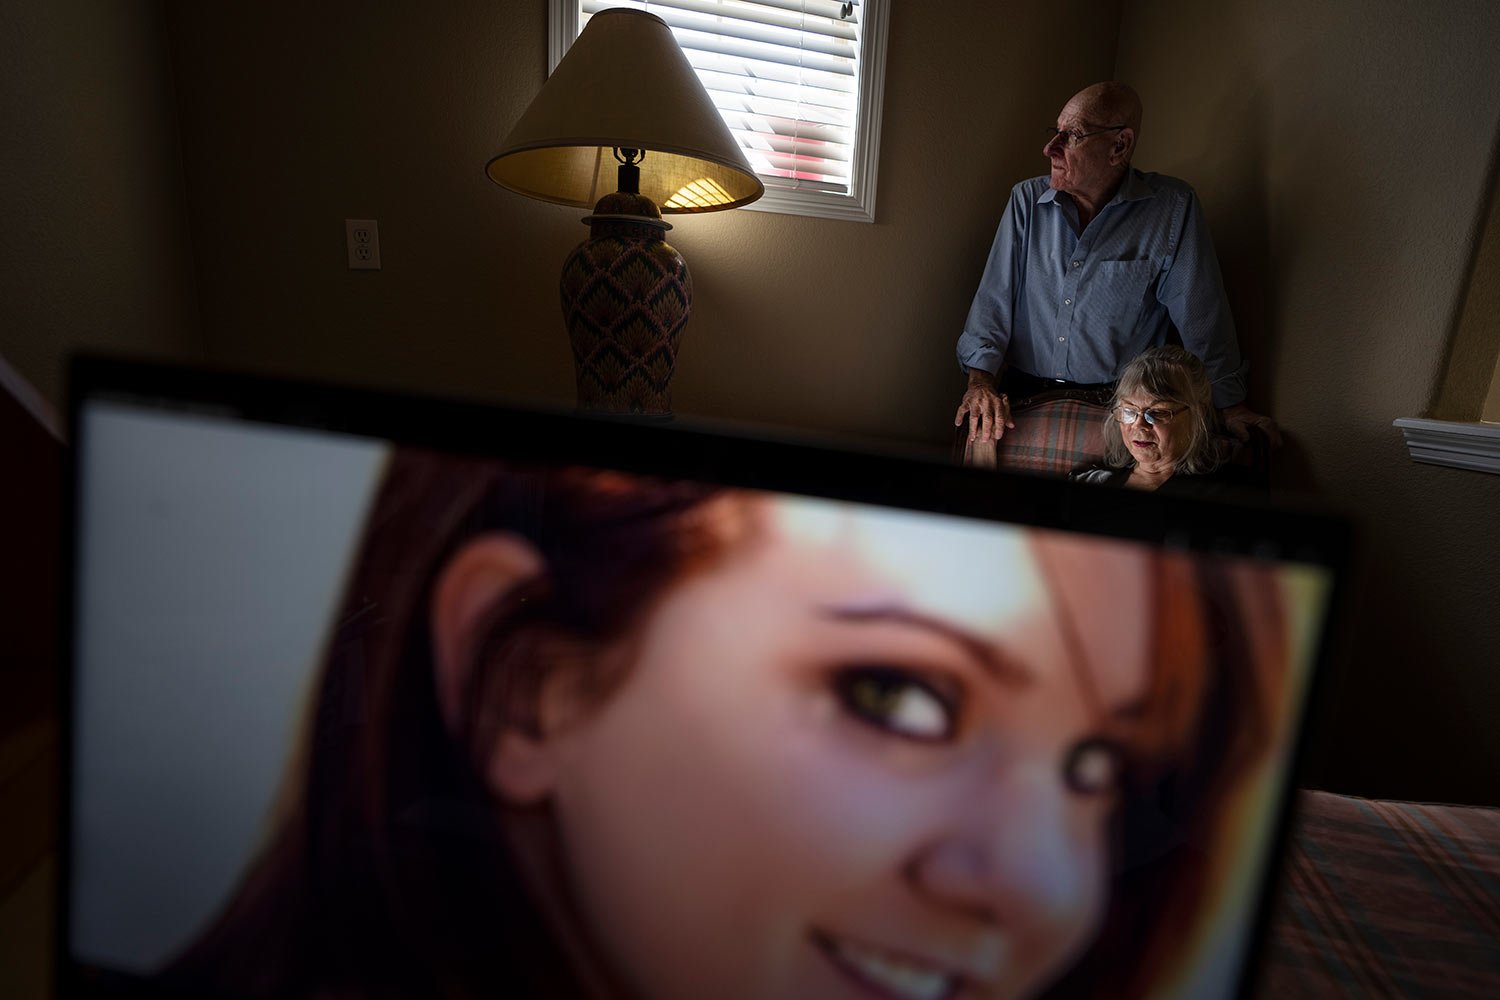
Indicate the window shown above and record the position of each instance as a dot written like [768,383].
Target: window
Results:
[799,83]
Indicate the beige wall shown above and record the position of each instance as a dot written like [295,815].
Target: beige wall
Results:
[296,116]
[1344,152]
[1471,379]
[94,250]
[1491,411]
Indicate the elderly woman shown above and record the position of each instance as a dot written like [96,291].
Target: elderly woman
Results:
[1163,433]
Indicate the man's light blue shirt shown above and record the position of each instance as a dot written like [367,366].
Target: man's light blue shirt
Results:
[1056,304]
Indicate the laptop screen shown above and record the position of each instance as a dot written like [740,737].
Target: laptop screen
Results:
[382,696]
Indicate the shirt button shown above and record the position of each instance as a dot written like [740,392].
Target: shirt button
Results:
[1077,263]
[1067,302]
[1062,338]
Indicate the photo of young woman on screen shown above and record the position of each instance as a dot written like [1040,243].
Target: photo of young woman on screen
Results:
[581,733]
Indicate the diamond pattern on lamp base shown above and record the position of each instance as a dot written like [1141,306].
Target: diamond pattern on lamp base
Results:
[626,295]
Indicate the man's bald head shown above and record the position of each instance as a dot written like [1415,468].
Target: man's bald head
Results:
[1110,103]
[1093,143]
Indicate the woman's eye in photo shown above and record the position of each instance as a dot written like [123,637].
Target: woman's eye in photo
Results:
[897,701]
[1095,766]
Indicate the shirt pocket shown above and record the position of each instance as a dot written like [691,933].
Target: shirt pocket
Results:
[1120,292]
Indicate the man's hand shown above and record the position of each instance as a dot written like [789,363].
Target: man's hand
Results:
[1239,418]
[988,410]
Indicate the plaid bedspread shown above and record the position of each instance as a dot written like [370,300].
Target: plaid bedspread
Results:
[1387,899]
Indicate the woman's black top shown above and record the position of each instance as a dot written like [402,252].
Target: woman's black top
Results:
[1227,482]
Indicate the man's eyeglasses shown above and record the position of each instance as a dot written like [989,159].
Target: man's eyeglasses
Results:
[1128,415]
[1072,137]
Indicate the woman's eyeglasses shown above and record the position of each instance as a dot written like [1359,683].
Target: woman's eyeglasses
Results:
[1128,415]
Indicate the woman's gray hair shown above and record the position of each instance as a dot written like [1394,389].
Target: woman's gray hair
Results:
[1172,375]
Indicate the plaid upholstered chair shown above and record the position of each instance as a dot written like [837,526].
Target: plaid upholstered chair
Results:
[1054,434]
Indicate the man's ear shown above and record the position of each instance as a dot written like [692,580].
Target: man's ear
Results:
[1124,145]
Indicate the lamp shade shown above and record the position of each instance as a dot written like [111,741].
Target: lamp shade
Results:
[626,84]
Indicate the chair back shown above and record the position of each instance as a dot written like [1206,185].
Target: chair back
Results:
[1051,437]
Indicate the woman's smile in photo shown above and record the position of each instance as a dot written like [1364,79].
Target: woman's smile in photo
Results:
[866,793]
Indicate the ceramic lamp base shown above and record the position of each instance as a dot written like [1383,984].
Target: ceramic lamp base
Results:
[626,295]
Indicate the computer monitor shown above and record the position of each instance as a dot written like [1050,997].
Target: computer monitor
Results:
[380,695]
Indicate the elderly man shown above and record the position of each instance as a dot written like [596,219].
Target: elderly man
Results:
[1092,265]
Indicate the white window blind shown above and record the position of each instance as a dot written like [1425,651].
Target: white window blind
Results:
[799,83]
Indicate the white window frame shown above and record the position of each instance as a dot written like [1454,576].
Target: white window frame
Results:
[858,205]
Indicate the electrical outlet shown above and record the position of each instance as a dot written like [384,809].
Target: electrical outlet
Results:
[363,239]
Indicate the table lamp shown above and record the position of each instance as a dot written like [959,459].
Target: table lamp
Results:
[624,125]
